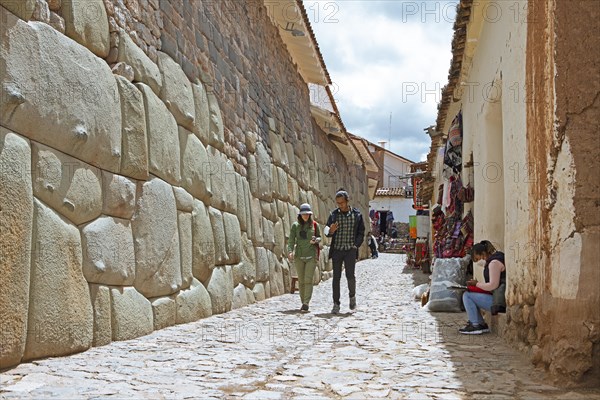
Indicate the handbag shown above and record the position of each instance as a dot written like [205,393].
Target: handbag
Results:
[499,299]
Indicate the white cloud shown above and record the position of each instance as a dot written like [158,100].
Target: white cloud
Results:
[386,57]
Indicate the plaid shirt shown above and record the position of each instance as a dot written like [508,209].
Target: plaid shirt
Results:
[345,232]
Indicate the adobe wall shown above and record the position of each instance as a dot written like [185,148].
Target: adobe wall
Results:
[152,158]
[563,125]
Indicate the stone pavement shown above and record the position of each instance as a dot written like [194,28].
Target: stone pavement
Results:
[388,348]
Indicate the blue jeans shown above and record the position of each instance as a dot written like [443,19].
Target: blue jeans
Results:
[474,303]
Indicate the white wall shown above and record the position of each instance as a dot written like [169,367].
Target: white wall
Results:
[400,206]
[394,167]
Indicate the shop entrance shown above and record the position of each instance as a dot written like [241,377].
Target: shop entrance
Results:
[383,222]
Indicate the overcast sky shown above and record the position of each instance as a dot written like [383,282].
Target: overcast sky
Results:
[386,57]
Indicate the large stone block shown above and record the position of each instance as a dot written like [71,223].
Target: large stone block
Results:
[257,222]
[21,8]
[69,186]
[269,234]
[119,195]
[263,175]
[253,175]
[108,253]
[259,291]
[216,128]
[185,245]
[250,299]
[203,243]
[184,200]
[134,157]
[275,275]
[195,166]
[283,187]
[222,180]
[131,314]
[239,299]
[86,22]
[163,138]
[157,252]
[266,210]
[220,288]
[193,304]
[241,202]
[143,68]
[176,91]
[74,108]
[245,271]
[100,296]
[16,221]
[287,275]
[280,241]
[290,159]
[220,240]
[233,238]
[164,312]
[61,318]
[246,207]
[202,122]
[262,264]
[275,145]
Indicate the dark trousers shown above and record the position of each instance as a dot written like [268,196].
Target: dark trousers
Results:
[348,258]
[373,248]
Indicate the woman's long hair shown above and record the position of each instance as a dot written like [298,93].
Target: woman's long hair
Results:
[301,221]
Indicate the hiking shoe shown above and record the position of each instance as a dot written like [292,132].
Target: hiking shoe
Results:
[335,309]
[476,329]
[304,308]
[352,303]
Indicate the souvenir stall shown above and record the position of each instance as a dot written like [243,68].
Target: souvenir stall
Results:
[452,232]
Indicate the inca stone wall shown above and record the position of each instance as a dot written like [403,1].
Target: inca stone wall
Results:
[152,158]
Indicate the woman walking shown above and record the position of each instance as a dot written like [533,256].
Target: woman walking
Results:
[303,250]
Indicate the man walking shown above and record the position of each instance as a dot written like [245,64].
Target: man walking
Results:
[347,229]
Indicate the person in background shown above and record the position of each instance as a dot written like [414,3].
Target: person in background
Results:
[346,227]
[494,274]
[302,250]
[373,246]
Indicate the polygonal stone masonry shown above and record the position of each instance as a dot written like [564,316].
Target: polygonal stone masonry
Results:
[69,186]
[58,324]
[16,223]
[176,91]
[163,138]
[86,22]
[145,70]
[156,243]
[108,252]
[74,109]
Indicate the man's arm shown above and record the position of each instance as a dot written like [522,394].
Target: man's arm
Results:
[360,231]
[328,224]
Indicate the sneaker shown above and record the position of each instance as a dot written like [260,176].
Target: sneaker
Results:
[485,328]
[352,303]
[304,308]
[335,309]
[476,329]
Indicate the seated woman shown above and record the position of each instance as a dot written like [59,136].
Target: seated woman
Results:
[494,274]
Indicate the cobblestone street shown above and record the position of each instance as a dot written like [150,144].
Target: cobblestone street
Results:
[388,348]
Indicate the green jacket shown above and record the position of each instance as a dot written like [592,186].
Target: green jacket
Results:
[302,247]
